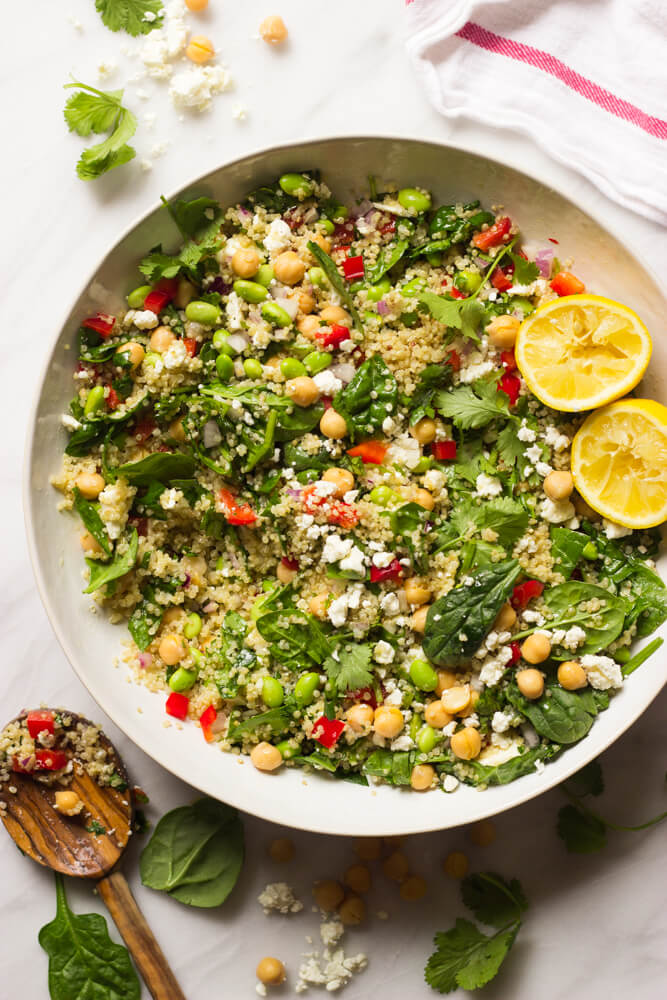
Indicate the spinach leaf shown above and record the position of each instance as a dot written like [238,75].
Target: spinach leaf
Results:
[602,627]
[351,669]
[370,397]
[582,832]
[389,256]
[473,772]
[91,347]
[103,573]
[93,430]
[83,960]
[394,767]
[407,523]
[648,602]
[559,715]
[471,406]
[566,549]
[317,760]
[458,621]
[162,465]
[300,421]
[145,619]
[276,720]
[194,217]
[432,378]
[336,280]
[295,637]
[195,854]
[298,459]
[92,521]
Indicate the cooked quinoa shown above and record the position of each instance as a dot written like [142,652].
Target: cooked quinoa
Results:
[338,526]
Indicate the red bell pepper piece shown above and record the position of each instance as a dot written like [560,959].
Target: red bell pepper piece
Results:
[236,513]
[39,721]
[365,695]
[206,720]
[454,360]
[101,323]
[516,653]
[177,705]
[501,279]
[508,361]
[353,268]
[335,511]
[444,451]
[112,399]
[525,592]
[327,731]
[511,386]
[456,293]
[394,571]
[161,295]
[191,345]
[565,283]
[370,452]
[494,235]
[333,337]
[45,760]
[288,563]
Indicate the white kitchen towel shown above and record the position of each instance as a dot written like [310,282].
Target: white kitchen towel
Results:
[587,79]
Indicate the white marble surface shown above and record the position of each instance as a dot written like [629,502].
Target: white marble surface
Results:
[597,925]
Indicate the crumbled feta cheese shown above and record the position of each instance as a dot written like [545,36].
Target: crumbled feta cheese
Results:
[337,610]
[240,112]
[234,310]
[534,453]
[336,548]
[450,783]
[573,637]
[402,742]
[434,480]
[532,617]
[382,559]
[556,511]
[278,897]
[355,561]
[475,369]
[70,422]
[115,501]
[383,652]
[331,931]
[554,439]
[502,721]
[166,43]
[194,87]
[390,605]
[537,287]
[602,672]
[144,319]
[543,469]
[327,383]
[278,236]
[170,498]
[106,68]
[487,486]
[613,530]
[492,670]
[525,433]
[388,425]
[404,450]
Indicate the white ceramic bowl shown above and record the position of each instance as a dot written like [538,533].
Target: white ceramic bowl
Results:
[315,802]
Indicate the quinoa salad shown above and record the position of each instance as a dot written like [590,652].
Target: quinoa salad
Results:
[341,530]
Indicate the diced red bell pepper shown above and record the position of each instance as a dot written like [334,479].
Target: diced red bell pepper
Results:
[101,323]
[327,731]
[236,513]
[511,386]
[45,760]
[335,511]
[525,592]
[454,360]
[444,451]
[333,337]
[112,399]
[370,452]
[353,268]
[501,279]
[191,345]
[39,721]
[508,361]
[494,235]
[288,563]
[365,695]
[143,429]
[161,295]
[394,571]
[565,283]
[516,653]
[456,293]
[177,705]
[206,720]
[389,227]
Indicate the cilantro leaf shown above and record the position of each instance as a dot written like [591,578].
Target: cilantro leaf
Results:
[582,832]
[432,378]
[351,670]
[503,515]
[588,781]
[472,315]
[467,958]
[158,265]
[129,15]
[95,111]
[91,110]
[510,448]
[525,271]
[493,900]
[195,218]
[447,311]
[473,406]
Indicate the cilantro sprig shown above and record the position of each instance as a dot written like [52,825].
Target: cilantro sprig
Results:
[464,955]
[130,15]
[97,111]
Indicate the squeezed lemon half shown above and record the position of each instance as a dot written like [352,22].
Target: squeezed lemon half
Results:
[582,351]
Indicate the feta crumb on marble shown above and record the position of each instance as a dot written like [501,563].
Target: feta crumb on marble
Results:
[278,897]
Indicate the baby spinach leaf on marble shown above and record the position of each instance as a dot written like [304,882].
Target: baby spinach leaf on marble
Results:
[162,465]
[389,256]
[92,521]
[195,854]
[370,397]
[336,280]
[559,715]
[103,573]
[603,626]
[351,668]
[83,960]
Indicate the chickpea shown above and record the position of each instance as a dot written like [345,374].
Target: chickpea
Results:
[352,911]
[90,545]
[357,878]
[289,268]
[333,425]
[360,718]
[172,615]
[502,331]
[306,301]
[302,390]
[416,591]
[200,49]
[281,850]
[455,865]
[68,803]
[388,721]
[172,649]
[284,574]
[483,833]
[184,292]
[322,242]
[266,757]
[335,314]
[446,679]
[368,849]
[530,683]
[413,889]
[270,971]
[572,676]
[424,499]
[396,866]
[424,430]
[418,620]
[89,484]
[161,339]
[328,894]
[505,618]
[422,777]
[245,262]
[196,5]
[135,352]
[177,430]
[466,743]
[583,509]
[558,485]
[536,648]
[342,479]
[318,605]
[456,700]
[308,326]
[273,30]
[436,715]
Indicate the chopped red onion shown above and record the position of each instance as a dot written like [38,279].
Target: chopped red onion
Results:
[291,306]
[145,660]
[293,493]
[210,607]
[220,286]
[383,308]
[362,209]
[186,582]
[310,214]
[244,213]
[220,723]
[543,259]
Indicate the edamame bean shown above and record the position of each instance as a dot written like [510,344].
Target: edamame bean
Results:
[220,341]
[296,185]
[423,465]
[340,212]
[525,306]
[94,400]
[622,655]
[380,288]
[317,277]
[288,748]
[202,312]
[305,687]
[434,259]
[356,286]
[413,200]
[292,368]
[426,739]
[468,280]
[275,314]
[411,288]
[250,291]
[135,299]
[272,692]
[327,225]
[317,361]
[253,368]
[192,626]
[224,366]
[182,679]
[423,676]
[264,275]
[383,496]
[589,551]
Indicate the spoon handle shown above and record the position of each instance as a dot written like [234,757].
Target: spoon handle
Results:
[139,938]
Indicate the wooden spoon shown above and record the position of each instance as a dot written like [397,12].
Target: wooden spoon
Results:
[75,845]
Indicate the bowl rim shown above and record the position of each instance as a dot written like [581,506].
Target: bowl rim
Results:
[245,804]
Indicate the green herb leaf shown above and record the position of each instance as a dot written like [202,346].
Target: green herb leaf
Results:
[431,379]
[507,517]
[129,15]
[446,311]
[510,448]
[472,316]
[370,397]
[103,573]
[352,669]
[145,620]
[92,110]
[467,958]
[394,767]
[473,406]
[567,549]
[587,781]
[582,832]
[565,603]
[195,218]
[475,773]
[493,900]
[195,854]
[337,281]
[389,256]
[525,271]
[83,960]
[641,656]
[559,715]
[163,466]
[91,520]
